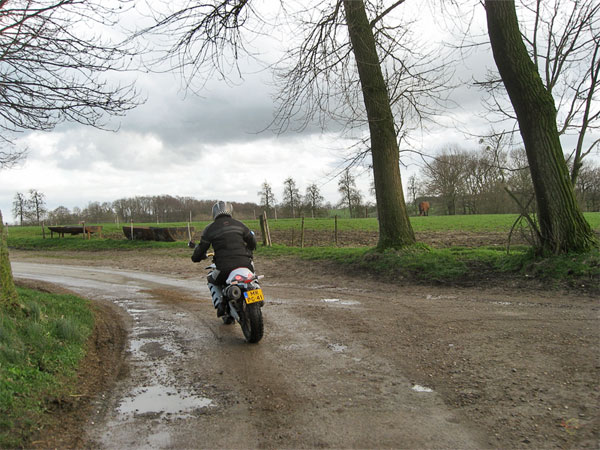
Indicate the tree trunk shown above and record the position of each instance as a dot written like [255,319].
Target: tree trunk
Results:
[8,293]
[395,230]
[562,225]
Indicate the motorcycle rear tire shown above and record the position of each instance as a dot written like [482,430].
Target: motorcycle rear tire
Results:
[252,323]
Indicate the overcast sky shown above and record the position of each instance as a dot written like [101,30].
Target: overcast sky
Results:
[206,146]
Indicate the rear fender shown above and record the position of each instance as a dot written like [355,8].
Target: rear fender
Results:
[243,271]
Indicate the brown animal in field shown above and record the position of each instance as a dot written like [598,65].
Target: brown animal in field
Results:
[424,208]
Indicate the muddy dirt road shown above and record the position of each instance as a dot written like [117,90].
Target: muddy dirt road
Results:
[344,363]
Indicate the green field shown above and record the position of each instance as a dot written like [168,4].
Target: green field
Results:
[420,262]
[475,223]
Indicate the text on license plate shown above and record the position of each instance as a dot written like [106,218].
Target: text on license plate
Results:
[253,296]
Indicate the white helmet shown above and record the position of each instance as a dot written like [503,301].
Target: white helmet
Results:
[221,208]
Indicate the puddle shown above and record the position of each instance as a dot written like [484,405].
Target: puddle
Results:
[159,399]
[337,348]
[418,388]
[440,297]
[341,302]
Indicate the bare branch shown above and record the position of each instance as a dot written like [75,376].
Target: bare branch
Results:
[52,69]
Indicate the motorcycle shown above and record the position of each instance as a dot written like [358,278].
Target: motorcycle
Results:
[243,299]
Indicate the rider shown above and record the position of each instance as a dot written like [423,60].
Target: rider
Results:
[232,243]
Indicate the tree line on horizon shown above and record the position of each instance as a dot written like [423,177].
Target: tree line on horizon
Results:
[457,181]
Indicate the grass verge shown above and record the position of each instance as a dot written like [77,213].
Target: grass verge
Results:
[41,346]
[459,264]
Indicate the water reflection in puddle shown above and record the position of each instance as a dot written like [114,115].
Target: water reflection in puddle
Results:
[341,302]
[418,388]
[337,348]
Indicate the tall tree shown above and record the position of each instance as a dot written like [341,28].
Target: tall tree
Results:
[350,195]
[291,196]
[395,229]
[445,176]
[412,191]
[60,216]
[20,207]
[37,205]
[562,225]
[313,198]
[267,198]
[588,188]
[561,37]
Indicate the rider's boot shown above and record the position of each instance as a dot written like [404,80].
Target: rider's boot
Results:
[217,298]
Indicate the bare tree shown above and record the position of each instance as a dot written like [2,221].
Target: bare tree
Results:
[291,196]
[413,190]
[484,179]
[354,61]
[60,216]
[37,205]
[563,43]
[98,212]
[267,198]
[562,227]
[20,208]
[313,198]
[11,157]
[445,177]
[53,69]
[588,188]
[351,196]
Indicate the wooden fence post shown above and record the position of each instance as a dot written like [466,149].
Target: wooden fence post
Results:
[269,241]
[335,233]
[302,233]
[43,231]
[264,228]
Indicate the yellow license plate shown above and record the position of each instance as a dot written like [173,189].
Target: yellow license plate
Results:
[253,296]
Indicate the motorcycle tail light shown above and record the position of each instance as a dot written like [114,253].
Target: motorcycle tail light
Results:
[245,280]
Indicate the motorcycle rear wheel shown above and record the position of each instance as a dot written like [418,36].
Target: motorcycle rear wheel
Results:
[251,321]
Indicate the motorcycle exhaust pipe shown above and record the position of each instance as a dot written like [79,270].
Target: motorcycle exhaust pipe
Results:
[233,292]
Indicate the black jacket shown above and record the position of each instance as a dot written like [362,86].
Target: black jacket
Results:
[232,242]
